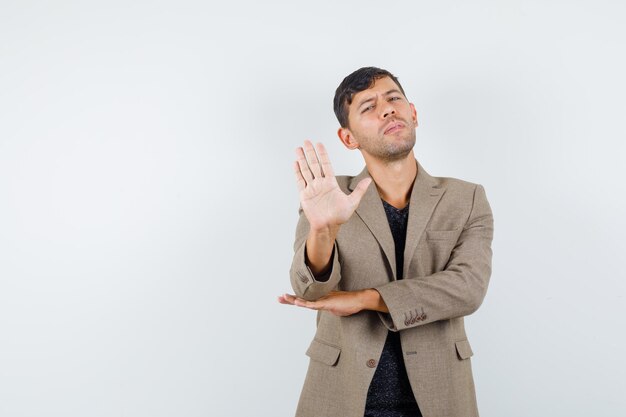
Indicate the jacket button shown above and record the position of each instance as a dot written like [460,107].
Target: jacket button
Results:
[304,279]
[413,320]
[407,322]
[371,363]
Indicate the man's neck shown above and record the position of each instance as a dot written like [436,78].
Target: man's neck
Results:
[394,180]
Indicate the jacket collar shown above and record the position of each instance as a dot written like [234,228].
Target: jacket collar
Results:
[425,195]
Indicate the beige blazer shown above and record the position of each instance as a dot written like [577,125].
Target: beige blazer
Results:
[447,265]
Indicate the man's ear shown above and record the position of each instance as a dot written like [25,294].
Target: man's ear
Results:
[413,114]
[346,137]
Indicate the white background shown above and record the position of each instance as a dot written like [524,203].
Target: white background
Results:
[147,203]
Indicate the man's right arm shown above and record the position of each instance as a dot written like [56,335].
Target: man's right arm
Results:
[324,207]
[319,249]
[315,269]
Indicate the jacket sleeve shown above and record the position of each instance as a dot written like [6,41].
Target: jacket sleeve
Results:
[456,291]
[304,283]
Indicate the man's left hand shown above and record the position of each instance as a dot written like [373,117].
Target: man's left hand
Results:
[339,303]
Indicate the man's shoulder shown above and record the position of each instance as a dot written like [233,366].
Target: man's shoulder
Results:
[455,183]
[456,189]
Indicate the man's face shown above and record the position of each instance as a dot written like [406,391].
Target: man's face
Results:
[382,121]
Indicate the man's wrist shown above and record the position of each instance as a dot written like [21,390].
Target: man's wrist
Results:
[324,232]
[319,250]
[372,300]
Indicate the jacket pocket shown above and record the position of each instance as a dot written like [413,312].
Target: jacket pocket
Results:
[463,349]
[442,234]
[323,352]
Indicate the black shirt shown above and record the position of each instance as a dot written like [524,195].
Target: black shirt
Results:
[390,393]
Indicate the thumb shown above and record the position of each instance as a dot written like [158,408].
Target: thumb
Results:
[359,191]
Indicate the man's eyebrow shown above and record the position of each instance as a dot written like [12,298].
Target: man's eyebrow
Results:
[362,102]
[392,91]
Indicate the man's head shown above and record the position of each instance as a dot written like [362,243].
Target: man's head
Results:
[375,115]
[358,81]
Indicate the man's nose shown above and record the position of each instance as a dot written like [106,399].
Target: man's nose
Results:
[388,110]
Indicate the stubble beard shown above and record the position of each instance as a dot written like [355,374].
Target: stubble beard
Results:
[390,149]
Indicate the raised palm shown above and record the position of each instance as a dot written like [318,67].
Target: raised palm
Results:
[324,203]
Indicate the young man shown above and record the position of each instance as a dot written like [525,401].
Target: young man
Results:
[392,259]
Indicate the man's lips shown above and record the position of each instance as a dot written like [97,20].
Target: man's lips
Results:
[393,127]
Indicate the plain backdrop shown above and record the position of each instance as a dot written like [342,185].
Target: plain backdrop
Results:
[148,204]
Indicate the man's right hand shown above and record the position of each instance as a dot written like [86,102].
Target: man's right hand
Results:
[326,207]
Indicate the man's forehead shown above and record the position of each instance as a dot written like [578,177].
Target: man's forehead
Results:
[382,85]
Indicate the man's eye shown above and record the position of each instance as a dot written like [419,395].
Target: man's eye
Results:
[394,98]
[368,108]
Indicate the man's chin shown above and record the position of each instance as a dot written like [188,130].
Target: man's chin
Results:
[394,155]
[401,150]
[399,156]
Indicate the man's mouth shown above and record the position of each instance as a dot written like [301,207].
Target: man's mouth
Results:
[393,127]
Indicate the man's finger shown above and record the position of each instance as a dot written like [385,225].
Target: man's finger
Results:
[327,168]
[313,305]
[300,181]
[311,157]
[303,165]
[359,191]
[286,299]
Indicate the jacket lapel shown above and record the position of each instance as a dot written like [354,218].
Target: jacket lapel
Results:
[425,195]
[372,212]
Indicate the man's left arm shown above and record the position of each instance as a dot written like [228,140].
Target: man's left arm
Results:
[456,291]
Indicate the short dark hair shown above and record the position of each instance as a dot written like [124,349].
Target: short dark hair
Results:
[359,80]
